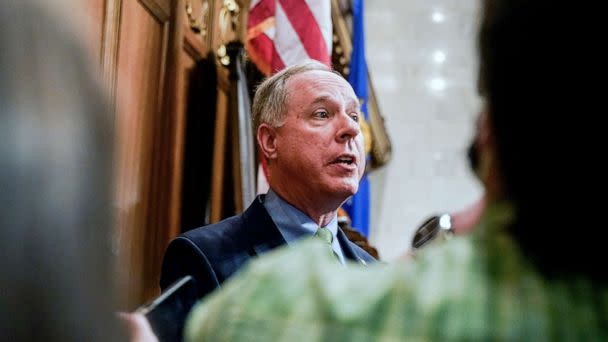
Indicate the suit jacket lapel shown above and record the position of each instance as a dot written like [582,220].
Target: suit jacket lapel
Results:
[263,234]
[349,252]
[260,229]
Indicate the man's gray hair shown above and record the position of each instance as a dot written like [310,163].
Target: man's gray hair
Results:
[270,100]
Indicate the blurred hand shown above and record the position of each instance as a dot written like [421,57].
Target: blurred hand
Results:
[138,327]
[465,220]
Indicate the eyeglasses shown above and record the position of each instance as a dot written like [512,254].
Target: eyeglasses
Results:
[432,228]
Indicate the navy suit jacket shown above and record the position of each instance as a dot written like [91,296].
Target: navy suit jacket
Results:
[213,253]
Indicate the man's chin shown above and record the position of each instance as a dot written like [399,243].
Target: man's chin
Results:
[343,187]
[348,191]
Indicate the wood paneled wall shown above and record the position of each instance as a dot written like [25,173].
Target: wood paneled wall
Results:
[146,50]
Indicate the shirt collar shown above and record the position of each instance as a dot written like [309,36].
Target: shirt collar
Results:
[291,222]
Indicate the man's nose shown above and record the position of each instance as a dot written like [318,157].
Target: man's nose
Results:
[348,128]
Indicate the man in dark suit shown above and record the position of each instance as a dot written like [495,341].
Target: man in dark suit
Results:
[307,123]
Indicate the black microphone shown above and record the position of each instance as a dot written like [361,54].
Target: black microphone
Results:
[436,226]
[167,313]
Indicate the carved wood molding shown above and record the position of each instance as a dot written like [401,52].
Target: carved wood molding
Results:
[193,46]
[159,9]
[342,37]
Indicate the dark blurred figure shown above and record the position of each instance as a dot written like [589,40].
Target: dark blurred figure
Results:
[541,141]
[533,269]
[56,266]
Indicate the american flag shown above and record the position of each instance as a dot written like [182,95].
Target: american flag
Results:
[286,32]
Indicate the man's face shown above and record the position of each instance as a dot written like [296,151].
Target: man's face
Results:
[320,146]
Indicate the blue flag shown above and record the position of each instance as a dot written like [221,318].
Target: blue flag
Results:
[358,206]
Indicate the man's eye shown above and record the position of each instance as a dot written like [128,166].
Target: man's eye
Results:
[321,114]
[355,116]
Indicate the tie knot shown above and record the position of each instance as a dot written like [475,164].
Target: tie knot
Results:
[325,235]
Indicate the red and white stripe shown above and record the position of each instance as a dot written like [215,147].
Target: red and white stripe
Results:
[286,32]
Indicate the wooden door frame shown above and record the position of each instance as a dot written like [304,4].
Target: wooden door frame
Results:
[161,221]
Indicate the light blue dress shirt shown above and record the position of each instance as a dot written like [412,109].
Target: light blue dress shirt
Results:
[294,224]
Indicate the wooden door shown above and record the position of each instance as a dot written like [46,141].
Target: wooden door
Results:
[138,61]
[146,50]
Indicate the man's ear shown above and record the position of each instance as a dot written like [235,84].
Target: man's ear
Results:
[267,139]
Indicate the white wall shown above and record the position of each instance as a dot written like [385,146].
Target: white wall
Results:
[429,104]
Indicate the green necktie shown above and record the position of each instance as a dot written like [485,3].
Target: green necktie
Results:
[325,235]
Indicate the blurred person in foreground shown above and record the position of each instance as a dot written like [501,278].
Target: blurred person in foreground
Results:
[531,269]
[56,267]
[307,123]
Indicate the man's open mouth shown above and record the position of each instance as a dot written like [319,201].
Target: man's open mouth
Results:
[345,159]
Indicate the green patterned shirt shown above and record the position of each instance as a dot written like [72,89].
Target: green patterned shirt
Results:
[477,287]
